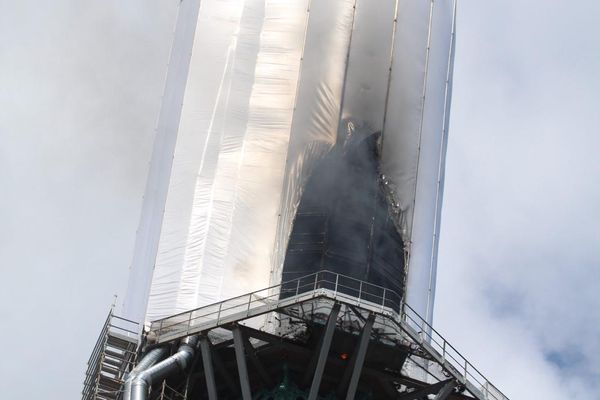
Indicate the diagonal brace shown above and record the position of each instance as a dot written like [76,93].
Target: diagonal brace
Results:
[324,352]
[209,373]
[361,353]
[424,391]
[445,391]
[250,351]
[240,357]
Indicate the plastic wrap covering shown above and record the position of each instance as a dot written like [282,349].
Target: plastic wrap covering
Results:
[221,211]
[268,83]
[316,119]
[157,186]
[415,134]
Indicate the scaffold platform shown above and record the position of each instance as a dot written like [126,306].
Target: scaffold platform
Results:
[323,336]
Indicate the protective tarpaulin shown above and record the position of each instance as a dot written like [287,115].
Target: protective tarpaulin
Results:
[255,93]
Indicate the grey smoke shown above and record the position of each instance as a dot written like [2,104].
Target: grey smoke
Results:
[80,90]
[518,273]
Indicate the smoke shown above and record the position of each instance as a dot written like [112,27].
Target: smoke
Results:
[519,252]
[81,85]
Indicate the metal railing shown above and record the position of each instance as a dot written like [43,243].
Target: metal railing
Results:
[342,288]
[450,354]
[114,327]
[124,327]
[169,393]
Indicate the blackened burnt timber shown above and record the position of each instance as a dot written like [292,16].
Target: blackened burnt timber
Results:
[343,223]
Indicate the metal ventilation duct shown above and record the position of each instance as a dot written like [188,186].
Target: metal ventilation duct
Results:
[150,371]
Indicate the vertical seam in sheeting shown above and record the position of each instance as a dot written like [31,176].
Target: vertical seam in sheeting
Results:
[437,216]
[216,107]
[346,67]
[195,23]
[274,267]
[145,196]
[385,108]
[244,143]
[229,59]
[212,186]
[424,92]
[153,192]
[423,95]
[389,79]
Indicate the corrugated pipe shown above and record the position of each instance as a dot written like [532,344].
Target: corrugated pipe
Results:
[154,356]
[148,371]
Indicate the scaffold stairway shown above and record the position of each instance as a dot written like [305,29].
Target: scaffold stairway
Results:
[113,356]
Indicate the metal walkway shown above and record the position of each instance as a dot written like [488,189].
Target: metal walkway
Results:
[113,356]
[315,296]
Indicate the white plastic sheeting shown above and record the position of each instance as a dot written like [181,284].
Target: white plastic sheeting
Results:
[266,87]
[415,134]
[149,230]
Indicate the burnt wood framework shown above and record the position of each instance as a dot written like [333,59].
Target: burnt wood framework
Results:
[346,219]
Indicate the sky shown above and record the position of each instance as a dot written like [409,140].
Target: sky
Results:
[519,263]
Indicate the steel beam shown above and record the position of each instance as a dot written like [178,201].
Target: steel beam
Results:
[190,383]
[344,381]
[361,353]
[260,368]
[358,313]
[445,391]
[424,391]
[386,379]
[312,365]
[240,357]
[324,352]
[261,335]
[209,373]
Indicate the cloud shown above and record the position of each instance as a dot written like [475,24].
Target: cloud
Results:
[81,86]
[519,258]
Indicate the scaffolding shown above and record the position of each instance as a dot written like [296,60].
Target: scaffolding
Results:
[324,336]
[113,357]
